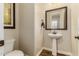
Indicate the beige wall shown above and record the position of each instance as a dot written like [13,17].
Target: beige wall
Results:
[1,28]
[38,32]
[31,34]
[13,33]
[1,22]
[26,13]
[64,44]
[74,29]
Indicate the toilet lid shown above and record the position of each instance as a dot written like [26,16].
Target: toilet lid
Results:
[15,53]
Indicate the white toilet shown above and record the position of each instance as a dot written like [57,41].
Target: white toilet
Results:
[8,49]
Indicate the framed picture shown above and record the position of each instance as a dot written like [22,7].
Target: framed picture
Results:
[9,15]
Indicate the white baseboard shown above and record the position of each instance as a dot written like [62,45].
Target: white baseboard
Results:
[61,52]
[39,52]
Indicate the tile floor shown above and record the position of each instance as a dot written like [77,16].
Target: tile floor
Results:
[49,53]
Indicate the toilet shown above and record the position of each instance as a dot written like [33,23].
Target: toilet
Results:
[9,49]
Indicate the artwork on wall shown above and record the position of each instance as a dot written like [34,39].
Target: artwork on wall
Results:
[9,16]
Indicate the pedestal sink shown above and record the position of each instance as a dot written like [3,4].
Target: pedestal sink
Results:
[54,37]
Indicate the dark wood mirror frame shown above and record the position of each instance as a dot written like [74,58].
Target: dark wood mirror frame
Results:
[65,18]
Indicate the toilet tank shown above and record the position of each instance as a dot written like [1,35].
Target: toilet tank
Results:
[9,45]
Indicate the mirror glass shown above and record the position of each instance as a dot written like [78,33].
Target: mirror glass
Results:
[56,19]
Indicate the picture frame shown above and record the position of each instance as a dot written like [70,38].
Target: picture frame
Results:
[9,15]
[58,12]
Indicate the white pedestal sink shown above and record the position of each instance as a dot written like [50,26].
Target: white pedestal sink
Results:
[54,37]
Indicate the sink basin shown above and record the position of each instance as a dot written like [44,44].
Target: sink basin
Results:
[55,36]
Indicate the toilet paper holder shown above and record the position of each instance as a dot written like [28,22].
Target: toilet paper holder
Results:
[77,37]
[1,42]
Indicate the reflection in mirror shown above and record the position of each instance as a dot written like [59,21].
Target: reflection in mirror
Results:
[56,19]
[55,22]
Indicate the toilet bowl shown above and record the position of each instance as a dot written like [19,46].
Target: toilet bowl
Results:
[15,53]
[9,50]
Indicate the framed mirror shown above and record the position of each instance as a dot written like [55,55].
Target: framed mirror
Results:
[56,19]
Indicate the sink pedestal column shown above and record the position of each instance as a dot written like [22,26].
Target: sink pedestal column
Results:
[54,38]
[54,47]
